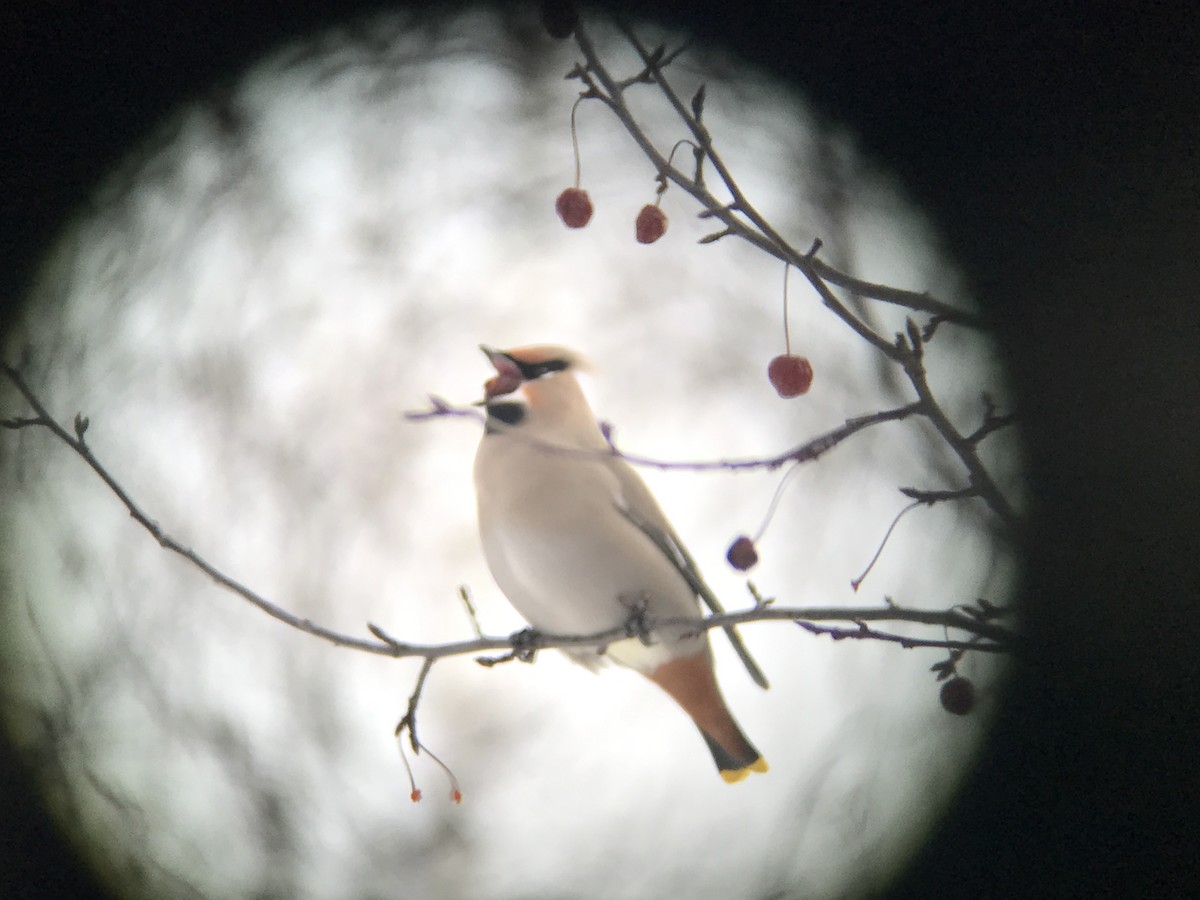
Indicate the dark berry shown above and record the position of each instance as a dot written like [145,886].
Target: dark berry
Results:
[574,207]
[559,18]
[958,696]
[742,555]
[651,224]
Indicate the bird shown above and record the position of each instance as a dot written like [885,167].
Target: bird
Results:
[578,544]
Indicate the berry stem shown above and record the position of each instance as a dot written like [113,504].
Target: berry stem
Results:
[774,503]
[679,143]
[787,332]
[415,796]
[455,791]
[855,582]
[575,139]
[662,175]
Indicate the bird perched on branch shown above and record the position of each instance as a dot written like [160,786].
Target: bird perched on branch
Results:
[579,545]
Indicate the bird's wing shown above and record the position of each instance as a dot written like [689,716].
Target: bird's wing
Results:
[638,505]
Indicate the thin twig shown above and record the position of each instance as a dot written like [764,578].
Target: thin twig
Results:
[801,453]
[533,641]
[472,614]
[990,424]
[918,301]
[611,93]
[742,219]
[526,641]
[674,550]
[79,445]
[863,632]
[928,498]
[802,261]
[979,477]
[409,721]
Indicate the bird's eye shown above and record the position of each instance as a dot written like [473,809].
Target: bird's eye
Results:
[530,371]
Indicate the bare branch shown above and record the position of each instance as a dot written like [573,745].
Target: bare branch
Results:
[524,644]
[715,236]
[979,477]
[756,230]
[801,453]
[931,497]
[472,613]
[773,242]
[806,452]
[863,632]
[990,424]
[409,721]
[765,238]
[439,407]
[165,540]
[674,550]
[919,301]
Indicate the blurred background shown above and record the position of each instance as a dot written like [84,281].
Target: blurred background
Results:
[253,263]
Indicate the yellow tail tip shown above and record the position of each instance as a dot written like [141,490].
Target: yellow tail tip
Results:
[733,776]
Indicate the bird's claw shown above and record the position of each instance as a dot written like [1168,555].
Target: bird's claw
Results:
[636,625]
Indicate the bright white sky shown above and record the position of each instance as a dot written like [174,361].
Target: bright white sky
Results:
[245,314]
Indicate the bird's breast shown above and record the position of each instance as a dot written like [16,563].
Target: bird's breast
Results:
[560,549]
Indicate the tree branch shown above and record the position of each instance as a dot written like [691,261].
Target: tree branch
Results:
[979,477]
[79,445]
[522,644]
[740,218]
[863,632]
[611,92]
[805,452]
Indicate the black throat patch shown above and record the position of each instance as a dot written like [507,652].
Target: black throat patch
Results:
[507,411]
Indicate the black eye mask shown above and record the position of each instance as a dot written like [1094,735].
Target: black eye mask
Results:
[531,371]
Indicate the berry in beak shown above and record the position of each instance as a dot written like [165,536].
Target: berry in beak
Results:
[508,375]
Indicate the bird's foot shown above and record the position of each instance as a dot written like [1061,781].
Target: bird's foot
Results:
[525,644]
[636,625]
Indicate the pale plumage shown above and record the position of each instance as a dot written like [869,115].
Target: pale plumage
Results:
[577,543]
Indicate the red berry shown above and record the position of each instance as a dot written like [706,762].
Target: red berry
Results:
[499,385]
[574,207]
[742,555]
[958,696]
[651,224]
[790,375]
[507,379]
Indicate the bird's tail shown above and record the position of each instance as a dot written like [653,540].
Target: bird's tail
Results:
[691,683]
[734,769]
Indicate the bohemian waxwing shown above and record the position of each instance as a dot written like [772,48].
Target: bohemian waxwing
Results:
[577,543]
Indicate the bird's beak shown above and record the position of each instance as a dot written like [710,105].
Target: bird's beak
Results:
[508,375]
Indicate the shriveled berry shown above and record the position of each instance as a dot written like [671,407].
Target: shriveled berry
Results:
[742,555]
[574,207]
[651,224]
[958,696]
[559,18]
[790,375]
